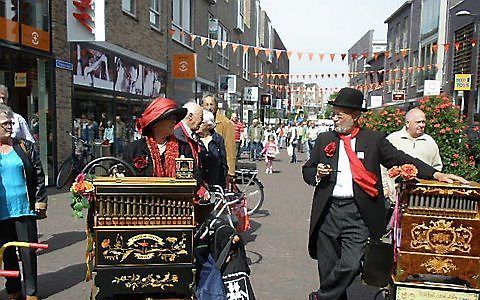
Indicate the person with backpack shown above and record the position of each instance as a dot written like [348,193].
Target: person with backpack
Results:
[23,200]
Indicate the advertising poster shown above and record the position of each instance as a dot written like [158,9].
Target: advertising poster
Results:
[128,76]
[154,82]
[92,68]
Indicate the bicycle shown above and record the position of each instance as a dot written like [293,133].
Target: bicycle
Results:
[247,183]
[71,167]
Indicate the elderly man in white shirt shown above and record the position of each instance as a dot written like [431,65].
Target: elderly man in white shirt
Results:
[413,140]
[20,126]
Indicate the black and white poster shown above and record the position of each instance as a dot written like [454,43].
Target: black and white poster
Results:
[93,68]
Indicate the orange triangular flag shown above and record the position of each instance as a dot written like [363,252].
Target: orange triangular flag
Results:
[182,33]
[457,45]
[224,45]
[278,53]
[321,55]
[310,56]
[404,52]
[203,40]
[364,54]
[289,54]
[245,48]
[171,32]
[267,52]
[299,55]
[256,50]
[192,38]
[354,56]
[332,56]
[234,47]
[446,47]
[213,43]
[343,55]
[434,48]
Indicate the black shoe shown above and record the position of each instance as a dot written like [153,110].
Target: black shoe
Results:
[313,296]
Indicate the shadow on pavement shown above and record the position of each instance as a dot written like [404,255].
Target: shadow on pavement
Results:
[54,282]
[260,214]
[250,235]
[253,257]
[51,190]
[62,240]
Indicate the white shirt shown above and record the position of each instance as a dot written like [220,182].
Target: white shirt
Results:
[344,186]
[20,129]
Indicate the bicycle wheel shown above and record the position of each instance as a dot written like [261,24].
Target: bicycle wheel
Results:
[253,193]
[65,173]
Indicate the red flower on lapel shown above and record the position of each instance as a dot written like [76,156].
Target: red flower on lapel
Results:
[330,149]
[140,162]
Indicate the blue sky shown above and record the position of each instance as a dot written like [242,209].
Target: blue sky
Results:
[327,26]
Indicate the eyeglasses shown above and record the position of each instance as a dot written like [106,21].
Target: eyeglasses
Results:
[7,124]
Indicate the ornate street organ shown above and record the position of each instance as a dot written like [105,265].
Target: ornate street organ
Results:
[143,231]
[440,226]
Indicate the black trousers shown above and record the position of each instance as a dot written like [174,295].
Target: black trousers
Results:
[23,229]
[340,247]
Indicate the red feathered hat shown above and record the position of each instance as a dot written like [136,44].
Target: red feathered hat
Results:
[159,109]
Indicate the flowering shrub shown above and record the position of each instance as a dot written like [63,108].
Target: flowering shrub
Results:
[82,191]
[444,123]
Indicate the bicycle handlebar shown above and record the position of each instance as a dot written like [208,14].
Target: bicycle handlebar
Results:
[5,273]
[76,138]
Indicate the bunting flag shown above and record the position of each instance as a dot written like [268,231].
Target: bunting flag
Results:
[343,55]
[267,52]
[289,54]
[310,56]
[320,56]
[404,52]
[234,47]
[354,56]
[256,50]
[375,55]
[203,40]
[332,56]
[473,42]
[213,43]
[457,45]
[434,48]
[446,47]
[245,48]
[171,32]
[192,38]
[387,54]
[299,54]
[278,53]
[182,34]
[365,55]
[224,45]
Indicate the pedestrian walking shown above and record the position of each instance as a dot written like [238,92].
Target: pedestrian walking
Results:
[292,138]
[238,126]
[270,151]
[120,134]
[311,135]
[255,134]
[348,206]
[20,126]
[280,132]
[23,200]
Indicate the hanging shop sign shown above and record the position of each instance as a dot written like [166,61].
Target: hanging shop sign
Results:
[227,83]
[86,20]
[9,30]
[398,96]
[184,66]
[250,94]
[463,82]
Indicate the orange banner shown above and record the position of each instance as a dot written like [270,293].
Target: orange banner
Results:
[184,66]
[35,38]
[9,30]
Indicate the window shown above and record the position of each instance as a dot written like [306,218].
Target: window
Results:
[129,6]
[257,17]
[405,33]
[246,65]
[260,71]
[248,12]
[413,74]
[429,17]
[182,21]
[155,13]
[241,15]
[223,52]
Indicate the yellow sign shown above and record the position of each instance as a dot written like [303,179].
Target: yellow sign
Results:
[184,66]
[463,82]
[20,79]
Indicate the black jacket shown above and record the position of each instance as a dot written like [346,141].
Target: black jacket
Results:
[377,150]
[214,161]
[35,177]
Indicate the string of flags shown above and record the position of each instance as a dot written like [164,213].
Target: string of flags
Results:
[342,75]
[268,52]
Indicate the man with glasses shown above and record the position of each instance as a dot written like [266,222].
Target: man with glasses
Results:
[20,126]
[348,204]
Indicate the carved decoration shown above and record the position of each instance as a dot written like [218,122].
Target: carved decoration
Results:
[144,247]
[438,265]
[457,191]
[441,237]
[136,281]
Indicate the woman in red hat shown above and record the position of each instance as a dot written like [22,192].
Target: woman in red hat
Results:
[155,153]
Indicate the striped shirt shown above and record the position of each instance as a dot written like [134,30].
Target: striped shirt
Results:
[238,126]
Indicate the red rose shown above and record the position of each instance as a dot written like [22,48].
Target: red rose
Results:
[409,172]
[140,162]
[394,172]
[330,149]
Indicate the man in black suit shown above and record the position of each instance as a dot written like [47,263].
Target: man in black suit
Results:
[348,205]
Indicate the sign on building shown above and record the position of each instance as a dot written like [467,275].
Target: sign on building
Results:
[85,20]
[250,94]
[463,82]
[20,79]
[227,83]
[431,88]
[398,96]
[184,66]
[376,101]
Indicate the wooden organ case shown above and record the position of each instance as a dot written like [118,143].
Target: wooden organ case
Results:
[144,230]
[440,226]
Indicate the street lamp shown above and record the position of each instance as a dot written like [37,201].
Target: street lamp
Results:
[471,98]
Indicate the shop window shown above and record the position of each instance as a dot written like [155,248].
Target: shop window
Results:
[35,13]
[130,7]
[155,13]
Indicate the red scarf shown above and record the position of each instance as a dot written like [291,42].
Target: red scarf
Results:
[165,167]
[365,179]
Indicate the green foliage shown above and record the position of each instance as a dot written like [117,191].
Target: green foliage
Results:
[444,123]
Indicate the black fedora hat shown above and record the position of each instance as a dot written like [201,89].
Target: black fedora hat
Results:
[349,98]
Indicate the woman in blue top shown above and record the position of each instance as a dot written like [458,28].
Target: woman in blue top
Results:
[22,200]
[212,155]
